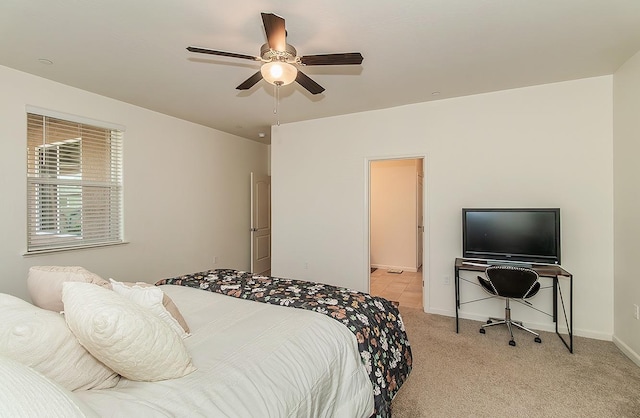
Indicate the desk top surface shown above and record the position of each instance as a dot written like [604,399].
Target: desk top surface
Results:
[546,270]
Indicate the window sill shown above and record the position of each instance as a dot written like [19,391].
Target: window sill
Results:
[60,250]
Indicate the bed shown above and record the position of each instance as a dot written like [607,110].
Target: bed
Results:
[270,347]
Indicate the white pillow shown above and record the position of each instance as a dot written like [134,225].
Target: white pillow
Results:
[45,283]
[123,335]
[27,393]
[150,297]
[41,339]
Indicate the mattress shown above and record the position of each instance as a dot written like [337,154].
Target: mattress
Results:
[253,360]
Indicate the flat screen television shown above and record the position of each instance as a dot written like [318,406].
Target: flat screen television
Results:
[517,235]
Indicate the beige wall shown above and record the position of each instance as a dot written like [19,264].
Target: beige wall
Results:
[187,189]
[393,185]
[541,146]
[626,146]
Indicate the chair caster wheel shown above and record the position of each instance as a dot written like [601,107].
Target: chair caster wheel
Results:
[482,331]
[512,343]
[538,340]
[489,321]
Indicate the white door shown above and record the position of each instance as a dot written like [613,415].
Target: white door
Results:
[260,223]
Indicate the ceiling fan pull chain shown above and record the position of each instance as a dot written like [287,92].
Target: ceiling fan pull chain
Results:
[275,98]
[276,95]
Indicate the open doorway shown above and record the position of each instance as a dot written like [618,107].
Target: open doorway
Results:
[396,230]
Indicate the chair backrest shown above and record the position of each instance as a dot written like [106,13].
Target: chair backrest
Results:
[512,282]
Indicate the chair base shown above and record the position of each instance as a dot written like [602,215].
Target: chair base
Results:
[510,324]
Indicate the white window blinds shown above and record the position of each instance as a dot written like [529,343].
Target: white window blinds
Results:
[74,184]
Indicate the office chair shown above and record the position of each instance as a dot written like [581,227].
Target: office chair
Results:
[510,282]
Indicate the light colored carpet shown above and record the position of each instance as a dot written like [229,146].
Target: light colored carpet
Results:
[474,375]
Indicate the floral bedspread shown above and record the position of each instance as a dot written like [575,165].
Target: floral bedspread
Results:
[375,322]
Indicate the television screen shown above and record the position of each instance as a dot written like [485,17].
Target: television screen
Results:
[524,235]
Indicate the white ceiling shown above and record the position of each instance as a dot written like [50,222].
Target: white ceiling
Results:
[134,51]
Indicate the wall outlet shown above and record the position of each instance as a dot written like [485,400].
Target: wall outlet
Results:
[636,311]
[215,259]
[446,280]
[306,265]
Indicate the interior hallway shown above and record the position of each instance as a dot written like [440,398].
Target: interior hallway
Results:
[405,287]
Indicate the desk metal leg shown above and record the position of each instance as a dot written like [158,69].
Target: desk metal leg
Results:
[555,302]
[568,321]
[571,313]
[456,281]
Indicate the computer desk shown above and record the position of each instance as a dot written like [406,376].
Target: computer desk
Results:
[544,270]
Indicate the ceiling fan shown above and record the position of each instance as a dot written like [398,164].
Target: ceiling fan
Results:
[281,60]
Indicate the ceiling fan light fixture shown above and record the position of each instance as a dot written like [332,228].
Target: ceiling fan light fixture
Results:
[279,73]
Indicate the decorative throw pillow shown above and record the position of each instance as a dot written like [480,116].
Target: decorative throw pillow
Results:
[41,339]
[152,298]
[45,283]
[123,335]
[170,306]
[27,393]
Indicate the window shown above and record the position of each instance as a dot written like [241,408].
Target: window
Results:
[74,184]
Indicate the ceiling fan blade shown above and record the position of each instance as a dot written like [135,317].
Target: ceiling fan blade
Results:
[308,83]
[349,58]
[274,27]
[250,82]
[222,53]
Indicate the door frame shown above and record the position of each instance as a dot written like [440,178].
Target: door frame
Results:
[425,211]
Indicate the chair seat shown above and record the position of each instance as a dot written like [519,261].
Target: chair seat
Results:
[486,284]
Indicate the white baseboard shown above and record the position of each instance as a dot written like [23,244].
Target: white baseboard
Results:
[438,312]
[635,357]
[385,267]
[535,326]
[586,333]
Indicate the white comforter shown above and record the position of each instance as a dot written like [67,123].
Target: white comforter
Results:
[253,360]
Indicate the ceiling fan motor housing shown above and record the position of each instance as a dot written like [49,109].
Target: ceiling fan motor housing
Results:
[289,54]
